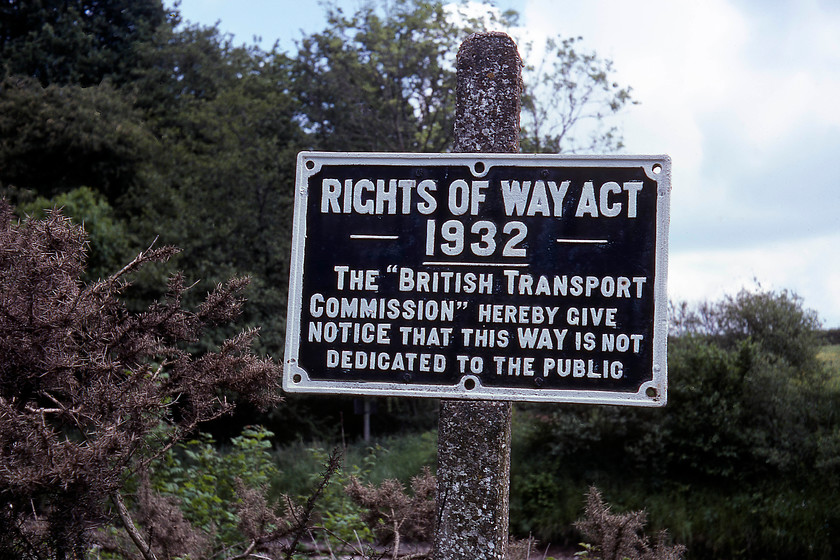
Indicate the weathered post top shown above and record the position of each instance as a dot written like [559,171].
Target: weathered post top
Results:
[488,94]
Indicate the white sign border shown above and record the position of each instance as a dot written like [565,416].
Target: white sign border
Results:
[651,394]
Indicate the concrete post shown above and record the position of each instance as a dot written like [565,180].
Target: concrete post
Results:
[474,436]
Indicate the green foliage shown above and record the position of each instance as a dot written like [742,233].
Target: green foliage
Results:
[75,41]
[58,138]
[340,517]
[745,414]
[398,458]
[775,320]
[184,65]
[226,127]
[740,463]
[830,356]
[107,235]
[193,139]
[383,79]
[205,479]
[832,336]
[314,418]
[379,81]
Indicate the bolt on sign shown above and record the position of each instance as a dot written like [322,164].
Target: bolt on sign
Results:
[480,276]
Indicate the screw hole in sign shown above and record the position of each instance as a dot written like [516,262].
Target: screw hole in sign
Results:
[657,168]
[297,378]
[310,165]
[651,392]
[469,384]
[479,167]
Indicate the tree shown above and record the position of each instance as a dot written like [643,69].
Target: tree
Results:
[194,138]
[59,138]
[78,42]
[372,82]
[777,321]
[748,366]
[569,94]
[228,134]
[385,80]
[90,392]
[232,185]
[744,455]
[184,63]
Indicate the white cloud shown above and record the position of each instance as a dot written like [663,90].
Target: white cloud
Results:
[474,9]
[677,56]
[708,274]
[742,95]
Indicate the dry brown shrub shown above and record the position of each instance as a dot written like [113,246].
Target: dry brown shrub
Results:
[90,392]
[620,536]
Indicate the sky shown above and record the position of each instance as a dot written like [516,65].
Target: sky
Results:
[741,94]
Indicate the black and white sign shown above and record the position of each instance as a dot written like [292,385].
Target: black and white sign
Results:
[480,276]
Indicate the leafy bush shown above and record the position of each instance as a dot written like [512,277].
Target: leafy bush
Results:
[207,481]
[741,463]
[395,460]
[340,517]
[399,457]
[108,239]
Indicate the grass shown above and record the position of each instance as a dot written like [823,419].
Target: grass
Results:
[395,457]
[401,457]
[830,354]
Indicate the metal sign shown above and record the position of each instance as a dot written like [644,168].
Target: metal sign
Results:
[480,276]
